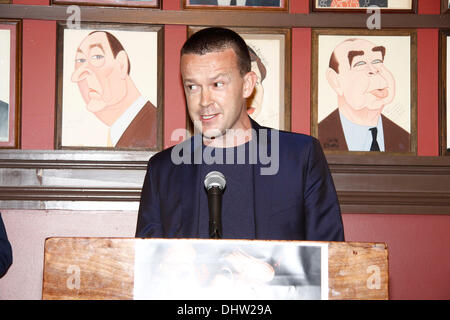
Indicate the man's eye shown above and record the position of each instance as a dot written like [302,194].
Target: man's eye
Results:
[97,57]
[191,87]
[218,84]
[80,60]
[360,63]
[377,61]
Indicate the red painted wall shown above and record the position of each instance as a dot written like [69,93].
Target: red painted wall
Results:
[301,80]
[38,84]
[428,90]
[418,245]
[419,258]
[174,103]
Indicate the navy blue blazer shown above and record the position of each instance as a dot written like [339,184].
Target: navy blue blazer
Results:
[297,203]
[5,250]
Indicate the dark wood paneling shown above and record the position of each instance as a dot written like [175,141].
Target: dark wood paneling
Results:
[224,18]
[392,184]
[365,184]
[66,179]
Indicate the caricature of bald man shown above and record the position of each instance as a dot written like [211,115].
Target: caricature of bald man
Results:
[363,86]
[102,72]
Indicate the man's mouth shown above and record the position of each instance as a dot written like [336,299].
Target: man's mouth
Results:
[380,93]
[206,117]
[93,93]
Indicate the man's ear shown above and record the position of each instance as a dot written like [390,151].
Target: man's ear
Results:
[250,80]
[122,58]
[333,80]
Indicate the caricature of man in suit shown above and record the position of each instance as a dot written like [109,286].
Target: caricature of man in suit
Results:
[247,3]
[4,121]
[353,3]
[102,72]
[364,86]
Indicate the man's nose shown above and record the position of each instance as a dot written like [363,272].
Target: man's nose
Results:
[372,69]
[205,99]
[80,73]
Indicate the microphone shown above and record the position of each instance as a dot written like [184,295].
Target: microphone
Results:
[214,184]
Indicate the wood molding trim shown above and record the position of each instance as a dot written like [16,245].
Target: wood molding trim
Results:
[392,184]
[222,18]
[365,184]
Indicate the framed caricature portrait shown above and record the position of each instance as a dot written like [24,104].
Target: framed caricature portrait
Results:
[270,103]
[445,6]
[444,92]
[364,90]
[10,39]
[115,3]
[265,5]
[109,87]
[362,5]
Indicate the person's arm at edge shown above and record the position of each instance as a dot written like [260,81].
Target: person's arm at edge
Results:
[149,215]
[5,250]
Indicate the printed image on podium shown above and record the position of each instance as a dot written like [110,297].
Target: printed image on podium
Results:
[231,269]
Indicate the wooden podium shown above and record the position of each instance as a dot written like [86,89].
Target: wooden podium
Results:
[103,268]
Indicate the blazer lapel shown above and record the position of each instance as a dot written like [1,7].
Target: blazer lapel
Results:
[190,188]
[262,184]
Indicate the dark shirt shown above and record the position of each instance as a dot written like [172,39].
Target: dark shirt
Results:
[238,216]
[5,250]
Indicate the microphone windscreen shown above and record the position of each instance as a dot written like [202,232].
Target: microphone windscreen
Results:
[215,179]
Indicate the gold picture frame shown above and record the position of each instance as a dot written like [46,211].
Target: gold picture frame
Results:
[126,75]
[444,95]
[253,5]
[270,51]
[112,3]
[339,97]
[10,78]
[386,6]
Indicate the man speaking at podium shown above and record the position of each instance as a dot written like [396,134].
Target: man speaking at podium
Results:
[278,184]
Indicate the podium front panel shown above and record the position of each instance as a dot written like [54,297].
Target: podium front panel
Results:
[129,268]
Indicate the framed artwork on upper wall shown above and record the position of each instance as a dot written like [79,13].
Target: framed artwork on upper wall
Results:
[364,91]
[109,87]
[270,103]
[444,92]
[445,6]
[114,3]
[409,6]
[266,5]
[10,62]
